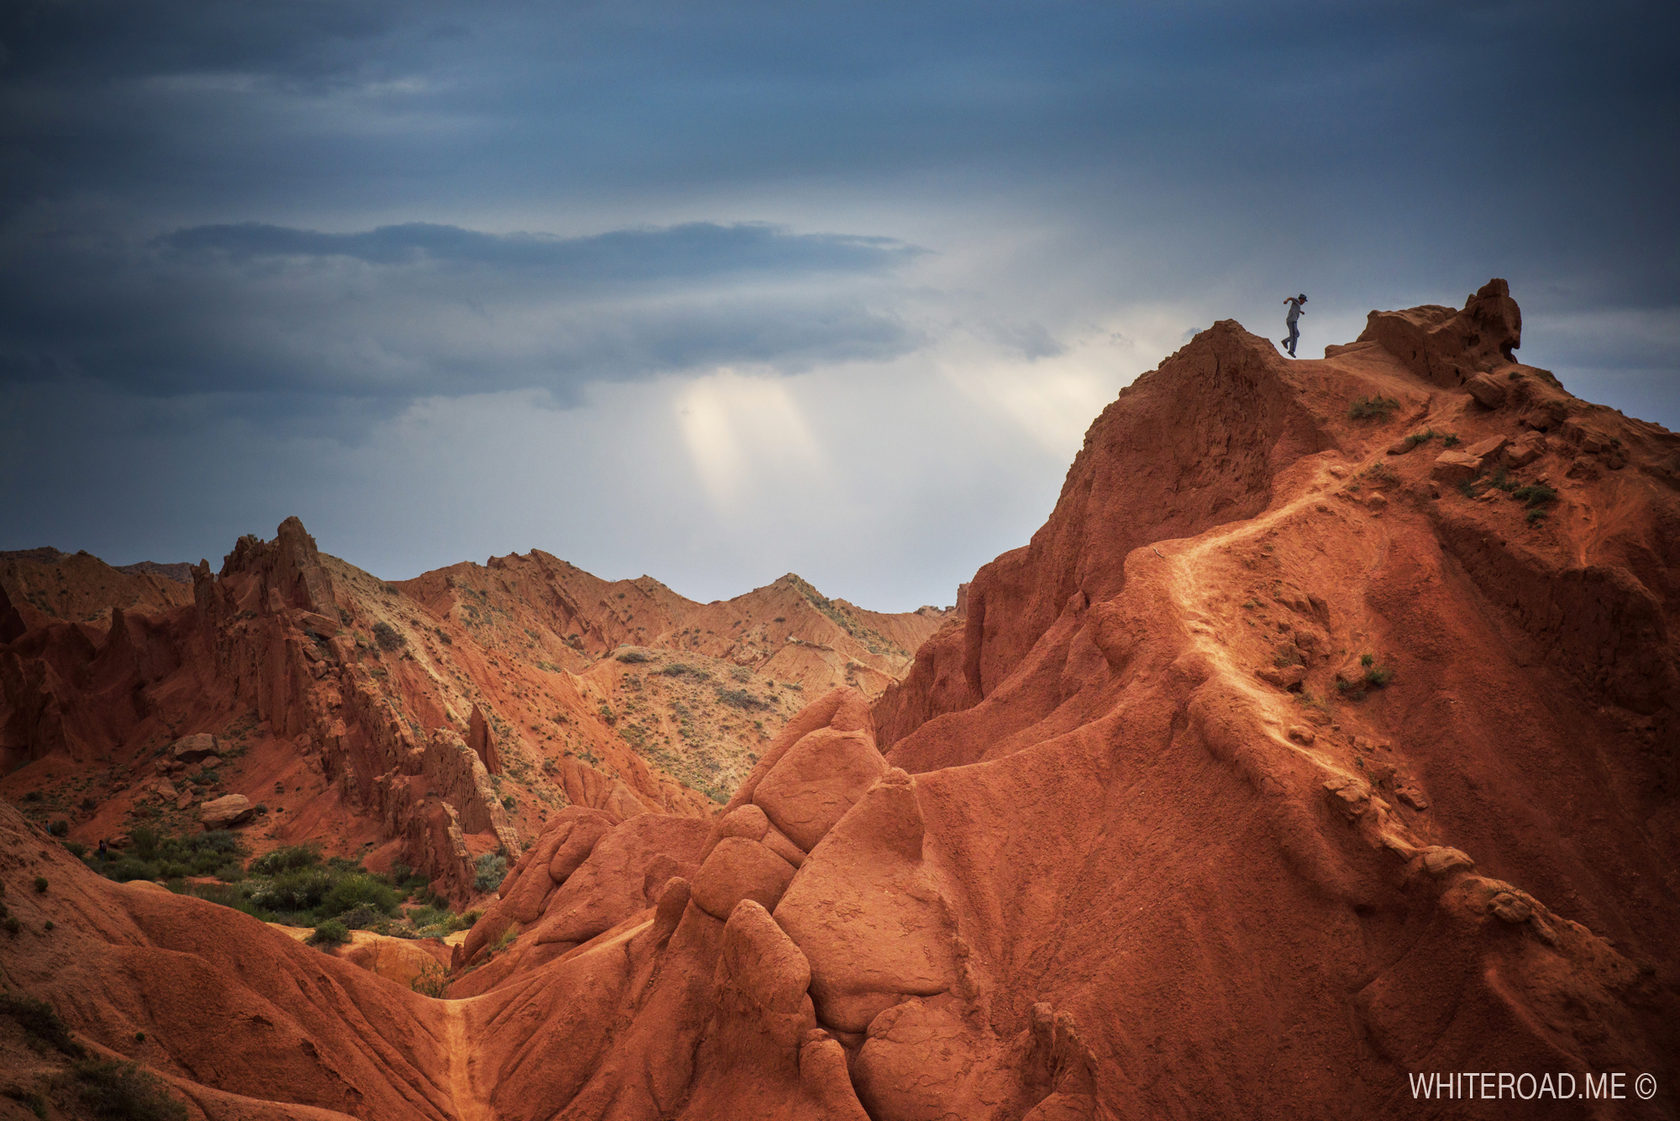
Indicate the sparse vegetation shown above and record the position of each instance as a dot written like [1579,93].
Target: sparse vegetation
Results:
[489,871]
[432,980]
[153,856]
[330,933]
[1535,496]
[1447,439]
[1372,408]
[634,657]
[741,698]
[388,637]
[1376,676]
[40,1023]
[114,1091]
[293,884]
[1381,474]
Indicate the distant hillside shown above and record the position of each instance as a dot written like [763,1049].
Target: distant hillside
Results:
[431,721]
[43,585]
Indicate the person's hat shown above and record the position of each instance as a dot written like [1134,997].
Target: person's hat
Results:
[1302,297]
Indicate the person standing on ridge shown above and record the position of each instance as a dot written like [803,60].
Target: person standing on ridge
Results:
[1294,315]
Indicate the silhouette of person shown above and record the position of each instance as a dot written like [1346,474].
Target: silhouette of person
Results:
[1294,315]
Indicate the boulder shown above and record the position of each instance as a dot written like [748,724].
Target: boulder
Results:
[816,782]
[1525,449]
[1489,450]
[226,812]
[740,869]
[1453,467]
[1439,860]
[194,748]
[1488,390]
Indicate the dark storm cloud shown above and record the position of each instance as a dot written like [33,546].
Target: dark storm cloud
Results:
[177,179]
[99,40]
[423,309]
[686,252]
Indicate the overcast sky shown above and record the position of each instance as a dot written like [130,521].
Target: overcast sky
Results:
[717,291]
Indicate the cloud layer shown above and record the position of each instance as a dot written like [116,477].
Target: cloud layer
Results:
[826,287]
[425,309]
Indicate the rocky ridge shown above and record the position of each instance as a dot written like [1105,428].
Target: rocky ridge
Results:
[431,722]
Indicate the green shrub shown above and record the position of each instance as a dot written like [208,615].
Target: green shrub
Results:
[329,933]
[1375,677]
[1535,495]
[144,841]
[635,657]
[431,981]
[40,885]
[356,891]
[288,859]
[489,872]
[58,828]
[740,698]
[123,1092]
[1372,408]
[125,868]
[388,637]
[40,1022]
[364,917]
[300,890]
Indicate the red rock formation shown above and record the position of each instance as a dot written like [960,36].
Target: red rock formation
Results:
[1270,773]
[367,695]
[482,742]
